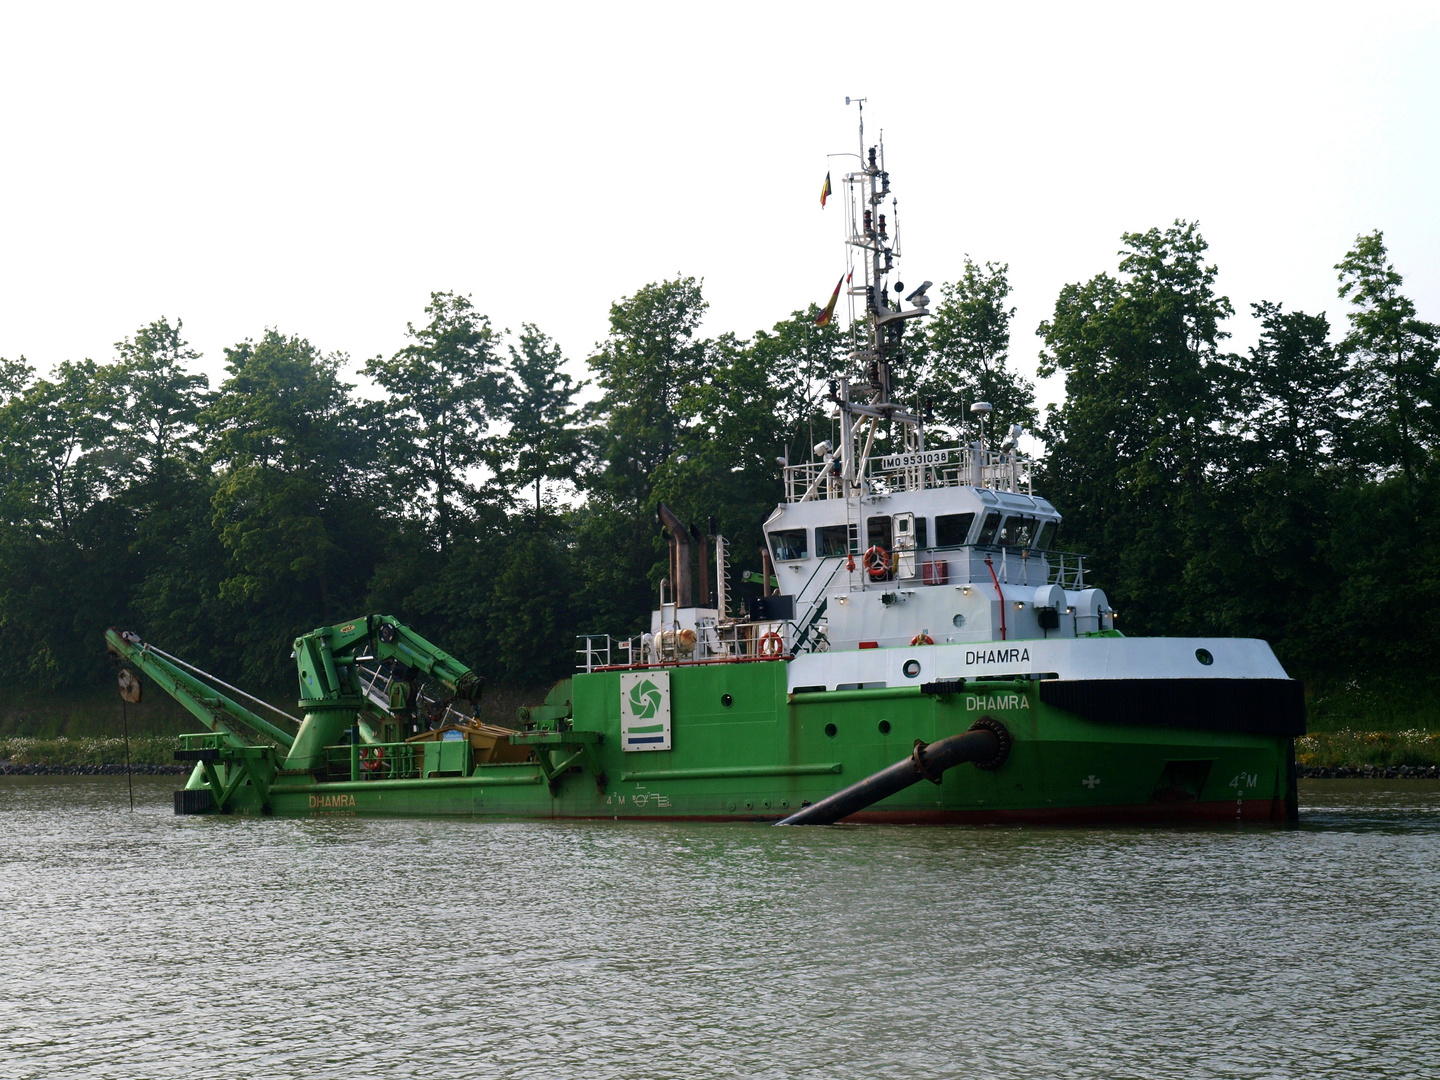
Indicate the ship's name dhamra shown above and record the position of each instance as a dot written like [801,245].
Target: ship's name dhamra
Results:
[997,656]
[976,702]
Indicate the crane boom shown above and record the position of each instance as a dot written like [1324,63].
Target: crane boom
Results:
[217,711]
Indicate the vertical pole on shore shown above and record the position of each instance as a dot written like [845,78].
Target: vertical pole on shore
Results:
[125,726]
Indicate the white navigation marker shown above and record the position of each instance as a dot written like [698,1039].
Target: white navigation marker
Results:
[1090,781]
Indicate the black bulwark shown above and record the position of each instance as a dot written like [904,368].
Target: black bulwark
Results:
[1254,706]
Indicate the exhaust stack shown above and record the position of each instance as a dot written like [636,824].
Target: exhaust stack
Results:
[679,555]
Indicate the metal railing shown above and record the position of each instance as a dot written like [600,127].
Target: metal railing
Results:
[708,643]
[1012,565]
[888,474]
[376,761]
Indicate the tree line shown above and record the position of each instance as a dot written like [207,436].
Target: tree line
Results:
[482,494]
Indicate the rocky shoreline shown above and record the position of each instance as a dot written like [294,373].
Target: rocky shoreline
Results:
[9,769]
[1368,772]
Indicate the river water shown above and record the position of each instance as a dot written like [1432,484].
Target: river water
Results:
[146,945]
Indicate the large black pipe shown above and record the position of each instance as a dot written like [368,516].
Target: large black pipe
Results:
[984,745]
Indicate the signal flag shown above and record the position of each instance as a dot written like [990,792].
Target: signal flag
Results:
[829,313]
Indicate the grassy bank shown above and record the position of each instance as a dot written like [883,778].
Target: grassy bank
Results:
[89,714]
[1335,749]
[88,750]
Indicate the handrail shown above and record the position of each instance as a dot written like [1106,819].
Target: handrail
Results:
[957,466]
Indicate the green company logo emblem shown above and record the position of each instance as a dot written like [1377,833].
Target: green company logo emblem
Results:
[644,699]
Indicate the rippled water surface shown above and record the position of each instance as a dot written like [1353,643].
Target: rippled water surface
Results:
[146,945]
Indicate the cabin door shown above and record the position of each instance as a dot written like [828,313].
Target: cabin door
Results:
[904,545]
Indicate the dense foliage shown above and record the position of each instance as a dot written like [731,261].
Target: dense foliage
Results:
[1289,493]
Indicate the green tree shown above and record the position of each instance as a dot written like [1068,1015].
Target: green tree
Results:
[154,405]
[1290,391]
[799,359]
[1146,394]
[615,548]
[445,388]
[530,622]
[1384,547]
[642,368]
[542,442]
[63,539]
[963,355]
[54,433]
[295,504]
[1263,571]
[155,402]
[1394,380]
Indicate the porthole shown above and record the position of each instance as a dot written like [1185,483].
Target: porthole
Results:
[958,620]
[884,727]
[911,668]
[830,730]
[1203,655]
[726,700]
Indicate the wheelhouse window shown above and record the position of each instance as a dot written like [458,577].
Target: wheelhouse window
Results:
[989,529]
[1047,536]
[952,530]
[831,540]
[1019,531]
[787,545]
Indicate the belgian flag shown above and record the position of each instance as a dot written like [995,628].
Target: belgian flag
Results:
[825,191]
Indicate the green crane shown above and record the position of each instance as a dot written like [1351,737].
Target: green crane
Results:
[336,694]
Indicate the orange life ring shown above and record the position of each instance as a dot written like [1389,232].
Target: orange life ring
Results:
[372,757]
[922,639]
[771,645]
[876,561]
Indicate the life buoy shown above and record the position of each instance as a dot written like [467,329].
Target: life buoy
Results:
[771,645]
[876,562]
[372,757]
[922,639]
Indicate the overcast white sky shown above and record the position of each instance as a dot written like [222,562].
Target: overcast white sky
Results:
[321,168]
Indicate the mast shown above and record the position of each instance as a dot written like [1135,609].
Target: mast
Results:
[878,334]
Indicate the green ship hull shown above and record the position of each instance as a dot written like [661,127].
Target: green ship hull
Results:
[742,747]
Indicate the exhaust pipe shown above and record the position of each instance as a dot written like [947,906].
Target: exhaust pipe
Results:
[987,744]
[680,536]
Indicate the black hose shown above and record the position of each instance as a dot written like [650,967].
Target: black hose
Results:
[982,744]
